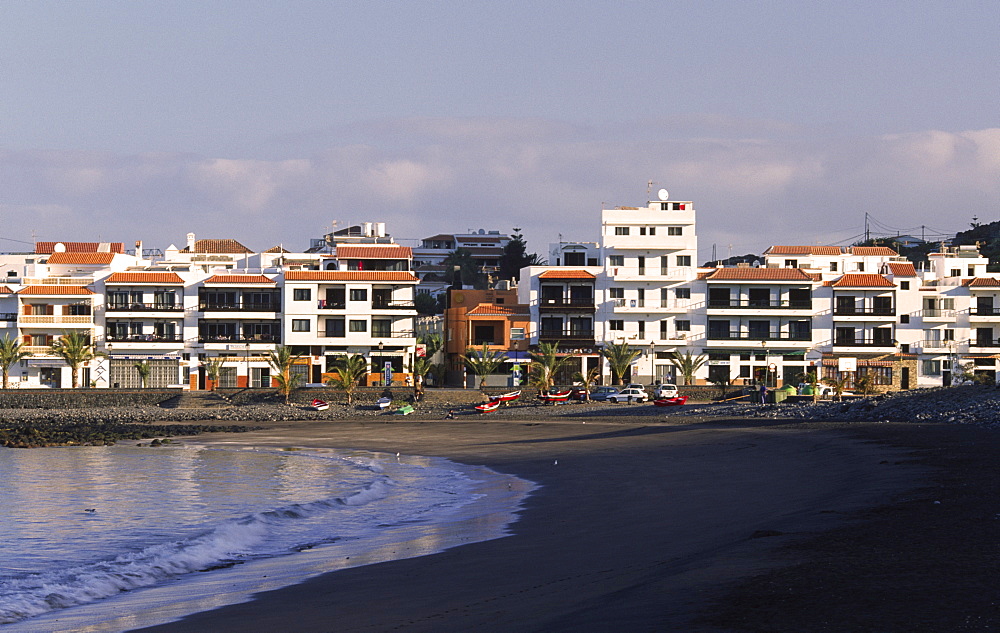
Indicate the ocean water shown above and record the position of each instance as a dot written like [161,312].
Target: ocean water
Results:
[113,538]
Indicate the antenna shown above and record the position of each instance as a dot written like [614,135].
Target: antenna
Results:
[649,188]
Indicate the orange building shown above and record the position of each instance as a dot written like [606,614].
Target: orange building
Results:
[493,317]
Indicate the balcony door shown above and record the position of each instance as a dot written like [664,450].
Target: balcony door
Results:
[984,305]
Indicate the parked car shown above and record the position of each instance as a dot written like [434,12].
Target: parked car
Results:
[665,391]
[635,385]
[629,394]
[603,393]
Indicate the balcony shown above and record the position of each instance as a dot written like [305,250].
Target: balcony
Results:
[331,305]
[246,306]
[736,335]
[649,305]
[252,338]
[863,311]
[574,336]
[56,319]
[937,344]
[863,342]
[759,304]
[649,273]
[393,305]
[144,338]
[396,334]
[937,315]
[8,316]
[561,304]
[984,342]
[984,311]
[145,307]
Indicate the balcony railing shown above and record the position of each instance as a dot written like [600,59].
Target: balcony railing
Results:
[8,316]
[985,311]
[392,305]
[323,304]
[266,306]
[573,335]
[252,338]
[937,344]
[656,304]
[145,307]
[144,338]
[862,311]
[736,335]
[56,319]
[562,302]
[396,334]
[760,304]
[863,342]
[984,342]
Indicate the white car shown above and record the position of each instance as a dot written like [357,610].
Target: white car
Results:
[629,394]
[666,391]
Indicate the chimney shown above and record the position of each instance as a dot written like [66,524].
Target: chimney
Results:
[190,241]
[138,248]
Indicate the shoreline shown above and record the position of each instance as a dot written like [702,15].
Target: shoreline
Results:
[635,526]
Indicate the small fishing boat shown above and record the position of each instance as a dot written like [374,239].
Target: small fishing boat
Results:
[508,397]
[558,396]
[671,402]
[486,407]
[319,405]
[383,403]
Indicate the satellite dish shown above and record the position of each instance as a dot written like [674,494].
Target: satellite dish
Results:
[59,248]
[663,194]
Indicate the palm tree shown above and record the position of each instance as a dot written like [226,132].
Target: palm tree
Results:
[620,357]
[838,385]
[420,368]
[483,362]
[545,364]
[144,368]
[75,348]
[281,361]
[213,369]
[11,351]
[433,343]
[587,379]
[687,364]
[348,370]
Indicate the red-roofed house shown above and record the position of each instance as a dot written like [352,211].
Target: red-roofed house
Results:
[487,317]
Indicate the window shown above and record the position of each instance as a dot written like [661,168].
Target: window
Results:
[302,294]
[616,293]
[664,324]
[357,325]
[861,267]
[904,318]
[382,328]
[300,325]
[791,263]
[683,260]
[642,329]
[574,259]
[517,333]
[904,285]
[621,230]
[833,267]
[682,325]
[617,325]
[683,293]
[359,294]
[642,230]
[931,368]
[904,348]
[616,260]
[956,272]
[949,335]
[675,230]
[652,230]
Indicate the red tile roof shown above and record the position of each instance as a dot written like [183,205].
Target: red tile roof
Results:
[144,278]
[902,269]
[349,275]
[239,279]
[982,282]
[862,280]
[566,274]
[216,246]
[277,249]
[759,274]
[382,251]
[803,250]
[55,290]
[85,259]
[44,248]
[4,290]
[870,251]
[489,308]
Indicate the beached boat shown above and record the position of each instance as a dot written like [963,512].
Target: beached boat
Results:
[383,403]
[558,396]
[486,407]
[319,405]
[508,397]
[670,402]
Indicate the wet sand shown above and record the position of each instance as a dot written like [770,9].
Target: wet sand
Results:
[636,527]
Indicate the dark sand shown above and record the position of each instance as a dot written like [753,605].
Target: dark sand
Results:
[701,526]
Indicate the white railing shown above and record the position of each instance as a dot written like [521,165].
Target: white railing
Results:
[63,319]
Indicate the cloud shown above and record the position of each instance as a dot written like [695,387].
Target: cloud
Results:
[755,185]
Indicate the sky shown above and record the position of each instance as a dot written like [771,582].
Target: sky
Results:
[267,122]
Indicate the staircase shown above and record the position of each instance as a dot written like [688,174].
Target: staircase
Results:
[196,400]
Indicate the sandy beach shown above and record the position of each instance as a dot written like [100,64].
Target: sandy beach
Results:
[703,526]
